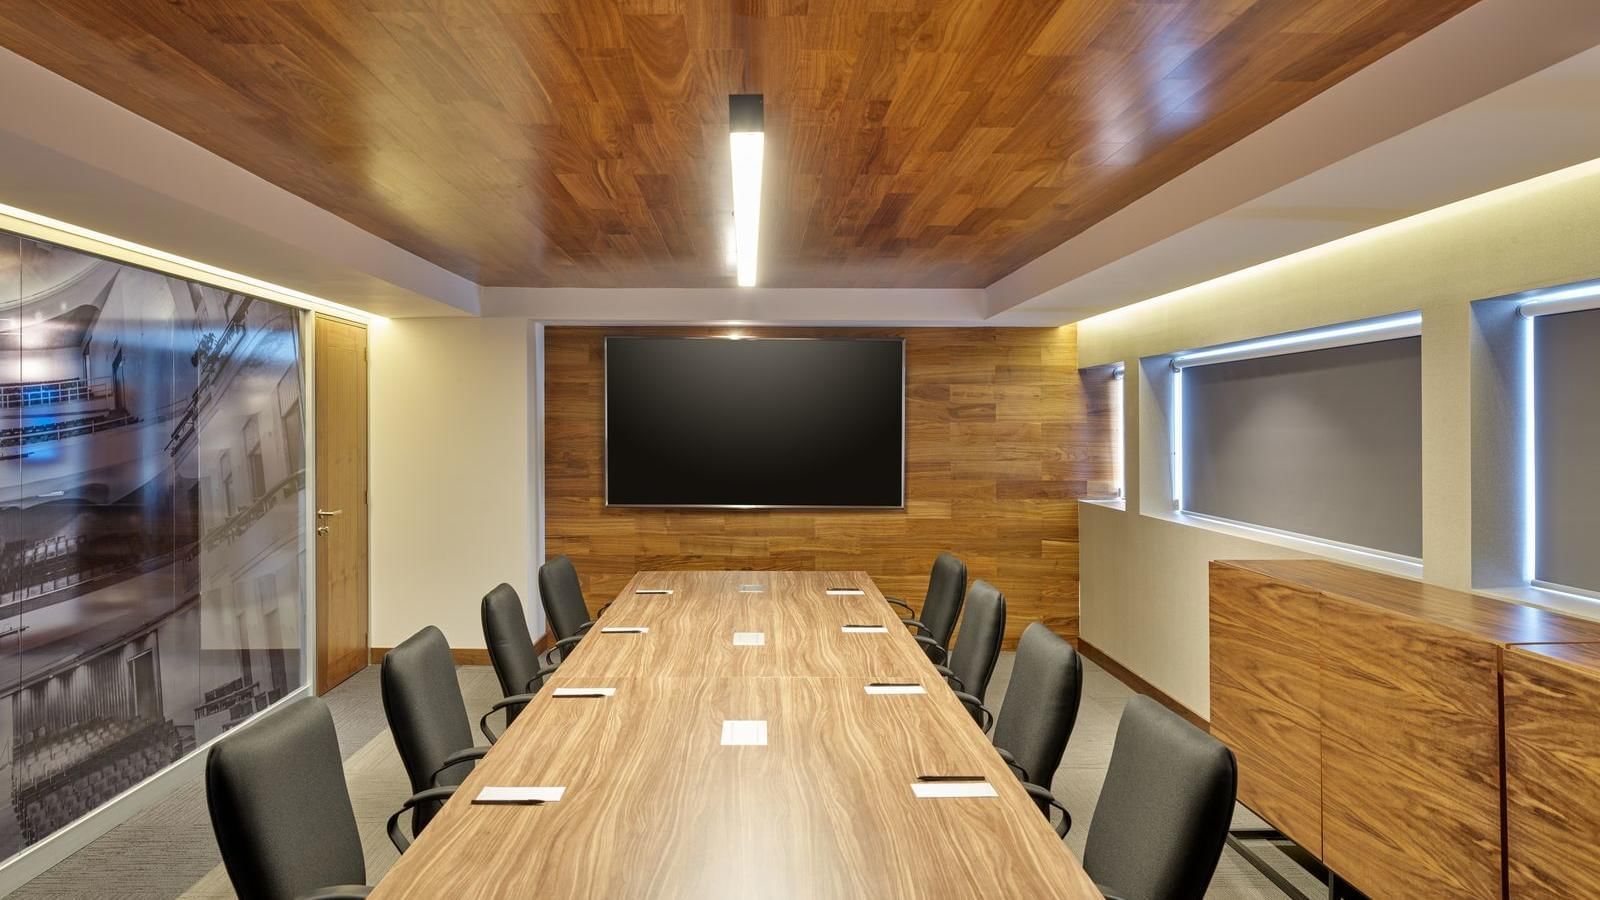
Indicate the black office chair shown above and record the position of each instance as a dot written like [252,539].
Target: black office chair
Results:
[281,810]
[1039,712]
[947,589]
[428,718]
[972,660]
[562,598]
[516,663]
[1165,809]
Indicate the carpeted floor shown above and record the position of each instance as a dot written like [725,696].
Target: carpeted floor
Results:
[168,850]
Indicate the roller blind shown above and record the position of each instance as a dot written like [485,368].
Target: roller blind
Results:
[1566,371]
[1325,443]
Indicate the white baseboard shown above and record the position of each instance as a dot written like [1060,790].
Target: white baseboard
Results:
[30,863]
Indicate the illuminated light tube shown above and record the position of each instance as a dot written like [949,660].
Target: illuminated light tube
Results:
[1177,439]
[1530,474]
[746,143]
[1373,330]
[55,231]
[1561,300]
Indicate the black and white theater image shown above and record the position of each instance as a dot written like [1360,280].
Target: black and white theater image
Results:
[152,476]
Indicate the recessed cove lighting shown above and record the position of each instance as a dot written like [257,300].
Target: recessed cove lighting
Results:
[746,141]
[1404,325]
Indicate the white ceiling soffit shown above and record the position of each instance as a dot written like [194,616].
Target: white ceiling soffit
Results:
[1432,123]
[742,306]
[71,155]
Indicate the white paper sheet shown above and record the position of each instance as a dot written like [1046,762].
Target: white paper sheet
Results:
[520,795]
[845,592]
[933,790]
[653,591]
[744,733]
[895,689]
[751,589]
[585,691]
[863,629]
[625,629]
[749,638]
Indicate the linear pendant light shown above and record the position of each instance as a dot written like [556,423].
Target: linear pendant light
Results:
[746,139]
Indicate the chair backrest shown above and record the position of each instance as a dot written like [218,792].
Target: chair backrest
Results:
[280,807]
[562,597]
[1165,809]
[505,633]
[975,652]
[1041,704]
[947,589]
[427,716]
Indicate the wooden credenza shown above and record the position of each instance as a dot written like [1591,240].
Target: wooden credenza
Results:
[1366,713]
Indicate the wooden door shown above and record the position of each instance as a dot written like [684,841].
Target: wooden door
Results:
[341,517]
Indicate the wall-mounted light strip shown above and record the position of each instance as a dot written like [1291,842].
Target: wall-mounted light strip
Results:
[1370,331]
[746,143]
[1574,298]
[1177,438]
[39,227]
[1530,481]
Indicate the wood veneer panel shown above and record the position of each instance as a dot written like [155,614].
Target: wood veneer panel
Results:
[1266,695]
[584,142]
[1002,438]
[656,807]
[1552,733]
[1410,754]
[1486,618]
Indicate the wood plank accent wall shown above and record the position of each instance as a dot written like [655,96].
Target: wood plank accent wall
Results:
[1002,439]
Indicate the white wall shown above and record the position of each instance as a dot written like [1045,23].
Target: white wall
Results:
[1144,592]
[452,453]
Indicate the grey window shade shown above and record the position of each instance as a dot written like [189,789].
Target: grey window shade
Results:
[1326,443]
[1566,405]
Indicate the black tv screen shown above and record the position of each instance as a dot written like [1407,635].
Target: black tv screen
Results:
[756,422]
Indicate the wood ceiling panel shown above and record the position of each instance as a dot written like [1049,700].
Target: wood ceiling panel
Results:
[938,143]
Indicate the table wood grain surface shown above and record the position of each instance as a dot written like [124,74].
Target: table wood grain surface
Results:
[656,806]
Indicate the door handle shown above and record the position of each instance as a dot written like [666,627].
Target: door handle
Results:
[329,513]
[323,529]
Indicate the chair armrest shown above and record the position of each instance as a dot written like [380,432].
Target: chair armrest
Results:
[456,759]
[398,837]
[338,892]
[976,707]
[896,601]
[513,700]
[564,645]
[1021,773]
[928,642]
[913,623]
[950,676]
[1107,892]
[537,681]
[1042,795]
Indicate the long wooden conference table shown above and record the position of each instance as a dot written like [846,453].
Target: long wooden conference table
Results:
[656,804]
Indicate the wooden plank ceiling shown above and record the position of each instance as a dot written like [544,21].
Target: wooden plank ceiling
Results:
[938,143]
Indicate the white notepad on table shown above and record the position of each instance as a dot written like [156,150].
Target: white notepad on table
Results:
[585,691]
[845,592]
[749,638]
[744,733]
[933,790]
[863,629]
[653,591]
[625,629]
[519,795]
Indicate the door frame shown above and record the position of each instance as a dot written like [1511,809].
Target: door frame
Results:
[308,524]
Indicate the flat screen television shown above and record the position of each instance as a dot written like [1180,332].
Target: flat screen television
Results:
[763,422]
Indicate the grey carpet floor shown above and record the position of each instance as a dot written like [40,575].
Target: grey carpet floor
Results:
[168,851]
